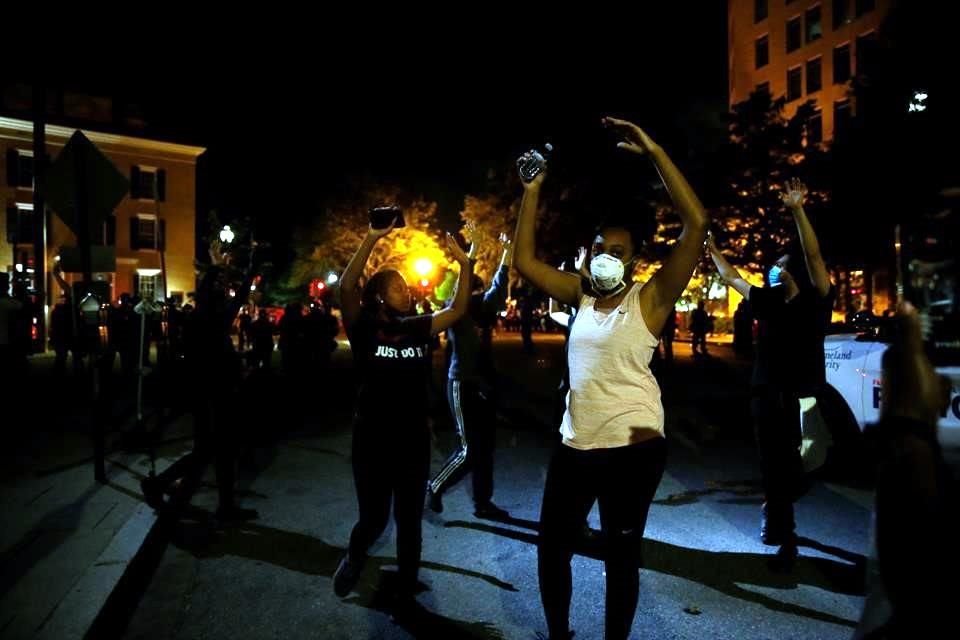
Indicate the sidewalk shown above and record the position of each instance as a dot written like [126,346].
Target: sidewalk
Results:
[66,540]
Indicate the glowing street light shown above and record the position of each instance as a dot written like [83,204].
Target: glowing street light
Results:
[332,278]
[917,103]
[423,267]
[226,234]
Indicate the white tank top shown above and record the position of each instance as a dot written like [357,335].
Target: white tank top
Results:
[614,400]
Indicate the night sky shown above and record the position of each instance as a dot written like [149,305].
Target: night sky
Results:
[433,110]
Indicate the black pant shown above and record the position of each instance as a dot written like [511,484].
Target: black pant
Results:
[668,349]
[391,459]
[624,481]
[213,427]
[776,416]
[475,417]
[700,340]
[526,332]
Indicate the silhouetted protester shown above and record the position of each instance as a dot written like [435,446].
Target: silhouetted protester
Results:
[916,523]
[743,329]
[293,341]
[244,323]
[262,340]
[12,356]
[391,439]
[215,373]
[699,326]
[125,334]
[65,322]
[321,333]
[666,338]
[613,447]
[470,394]
[61,335]
[174,338]
[794,313]
[528,306]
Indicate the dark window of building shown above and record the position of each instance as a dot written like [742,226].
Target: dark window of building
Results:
[841,13]
[762,51]
[841,64]
[814,24]
[814,79]
[20,168]
[841,118]
[759,10]
[794,83]
[815,129]
[794,33]
[864,6]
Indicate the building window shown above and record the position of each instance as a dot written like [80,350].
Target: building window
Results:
[148,183]
[866,44]
[841,13]
[814,80]
[841,117]
[20,228]
[762,51]
[143,232]
[841,64]
[759,10]
[147,287]
[815,129]
[20,168]
[814,24]
[794,83]
[794,33]
[864,6]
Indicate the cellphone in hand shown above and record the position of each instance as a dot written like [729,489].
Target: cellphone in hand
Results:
[383,217]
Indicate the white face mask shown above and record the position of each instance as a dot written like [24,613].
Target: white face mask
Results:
[606,273]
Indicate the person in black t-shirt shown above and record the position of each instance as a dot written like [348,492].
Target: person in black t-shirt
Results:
[793,314]
[391,438]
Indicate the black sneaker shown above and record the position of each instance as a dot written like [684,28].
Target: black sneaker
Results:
[434,501]
[404,609]
[346,576]
[775,531]
[773,537]
[785,558]
[490,511]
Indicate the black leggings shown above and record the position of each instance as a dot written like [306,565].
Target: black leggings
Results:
[476,426]
[391,459]
[776,416]
[623,480]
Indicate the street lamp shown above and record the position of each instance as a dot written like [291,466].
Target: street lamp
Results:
[226,234]
[423,267]
[332,278]
[917,102]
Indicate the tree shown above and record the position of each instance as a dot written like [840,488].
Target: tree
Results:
[764,150]
[491,215]
[327,244]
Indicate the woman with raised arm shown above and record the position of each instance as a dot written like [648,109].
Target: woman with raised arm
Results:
[391,437]
[613,447]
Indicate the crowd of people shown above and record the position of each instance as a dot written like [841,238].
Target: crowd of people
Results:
[611,448]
